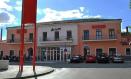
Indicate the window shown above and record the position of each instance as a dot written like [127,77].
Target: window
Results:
[86,34]
[1,54]
[128,51]
[98,34]
[69,35]
[111,34]
[99,51]
[31,37]
[56,35]
[12,38]
[44,36]
[112,51]
[11,52]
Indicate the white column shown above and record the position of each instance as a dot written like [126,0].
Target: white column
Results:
[63,55]
[50,54]
[46,54]
[53,54]
[60,54]
[56,55]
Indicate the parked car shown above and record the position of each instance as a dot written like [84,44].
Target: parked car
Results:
[118,59]
[102,58]
[90,59]
[76,59]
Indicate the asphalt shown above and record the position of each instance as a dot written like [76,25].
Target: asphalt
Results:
[14,73]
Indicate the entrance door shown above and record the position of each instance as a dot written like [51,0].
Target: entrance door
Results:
[112,51]
[86,51]
[54,54]
[99,51]
[43,52]
[30,53]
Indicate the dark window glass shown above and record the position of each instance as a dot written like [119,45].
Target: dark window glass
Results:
[99,51]
[69,35]
[86,34]
[12,37]
[56,35]
[112,51]
[44,36]
[31,37]
[128,51]
[11,52]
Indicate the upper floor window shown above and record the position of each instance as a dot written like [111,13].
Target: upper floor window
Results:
[128,51]
[12,38]
[44,36]
[69,35]
[31,37]
[56,35]
[98,34]
[86,34]
[111,34]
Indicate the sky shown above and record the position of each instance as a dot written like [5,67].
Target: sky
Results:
[54,10]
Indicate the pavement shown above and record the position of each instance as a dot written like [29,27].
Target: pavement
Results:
[13,72]
[88,73]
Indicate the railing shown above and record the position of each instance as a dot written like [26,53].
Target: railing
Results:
[52,39]
[99,38]
[18,40]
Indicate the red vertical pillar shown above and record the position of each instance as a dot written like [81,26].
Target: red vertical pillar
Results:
[29,8]
[22,48]
[35,46]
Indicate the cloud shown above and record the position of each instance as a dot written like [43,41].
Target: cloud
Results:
[18,6]
[54,15]
[7,18]
[4,5]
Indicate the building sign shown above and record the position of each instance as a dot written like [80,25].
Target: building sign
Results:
[98,26]
[55,29]
[18,30]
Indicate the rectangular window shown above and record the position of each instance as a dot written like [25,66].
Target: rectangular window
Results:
[1,54]
[56,35]
[99,51]
[44,36]
[11,52]
[86,34]
[112,51]
[12,38]
[128,51]
[69,35]
[111,34]
[31,37]
[98,34]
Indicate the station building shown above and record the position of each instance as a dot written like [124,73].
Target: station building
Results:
[58,40]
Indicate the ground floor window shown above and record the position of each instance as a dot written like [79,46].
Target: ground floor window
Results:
[99,51]
[112,51]
[54,53]
[11,52]
[1,54]
[128,51]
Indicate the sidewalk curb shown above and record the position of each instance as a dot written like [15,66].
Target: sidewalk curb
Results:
[41,74]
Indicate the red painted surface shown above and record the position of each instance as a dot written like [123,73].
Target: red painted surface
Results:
[29,9]
[98,26]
